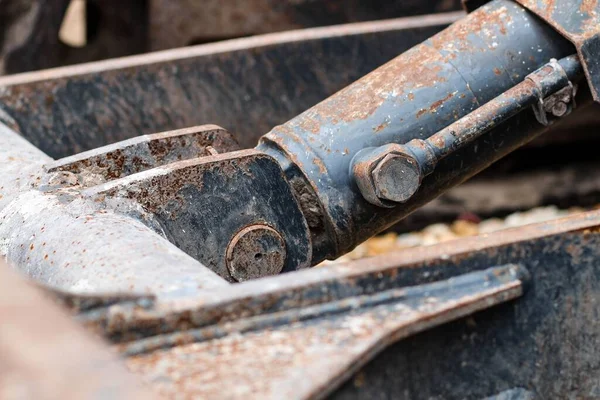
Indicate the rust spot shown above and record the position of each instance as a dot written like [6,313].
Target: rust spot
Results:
[381,126]
[589,7]
[418,67]
[482,22]
[319,163]
[497,71]
[421,112]
[434,106]
[411,96]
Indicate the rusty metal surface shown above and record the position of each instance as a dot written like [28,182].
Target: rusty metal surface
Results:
[517,345]
[546,342]
[176,23]
[412,97]
[310,357]
[45,355]
[363,277]
[258,329]
[578,21]
[145,152]
[52,233]
[550,90]
[242,85]
[255,251]
[201,204]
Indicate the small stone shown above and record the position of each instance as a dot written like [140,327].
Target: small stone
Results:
[535,215]
[465,228]
[437,233]
[381,244]
[491,225]
[408,240]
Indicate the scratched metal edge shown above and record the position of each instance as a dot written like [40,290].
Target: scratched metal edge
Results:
[503,294]
[233,45]
[506,285]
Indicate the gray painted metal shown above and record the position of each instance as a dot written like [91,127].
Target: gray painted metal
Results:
[412,97]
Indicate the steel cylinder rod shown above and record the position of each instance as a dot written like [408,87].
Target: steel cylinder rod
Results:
[404,166]
[412,97]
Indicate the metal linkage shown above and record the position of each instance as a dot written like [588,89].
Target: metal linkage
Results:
[144,152]
[71,194]
[234,212]
[412,97]
[397,170]
[576,20]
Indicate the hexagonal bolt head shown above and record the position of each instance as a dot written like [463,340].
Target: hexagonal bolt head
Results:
[396,177]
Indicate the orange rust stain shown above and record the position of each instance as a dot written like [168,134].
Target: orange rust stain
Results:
[319,163]
[434,106]
[479,22]
[381,126]
[411,96]
[311,125]
[421,112]
[589,7]
[497,71]
[419,67]
[544,11]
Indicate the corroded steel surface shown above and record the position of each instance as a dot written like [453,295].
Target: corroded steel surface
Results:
[255,251]
[412,97]
[341,281]
[546,342]
[200,204]
[548,87]
[55,235]
[578,21]
[145,152]
[310,357]
[189,346]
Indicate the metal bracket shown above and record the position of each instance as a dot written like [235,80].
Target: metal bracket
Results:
[553,106]
[579,22]
[220,210]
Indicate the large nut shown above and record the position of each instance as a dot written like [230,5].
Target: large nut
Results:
[396,177]
[386,175]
